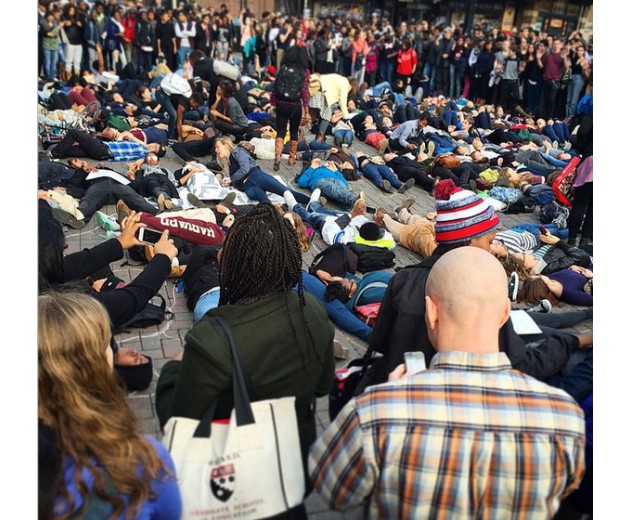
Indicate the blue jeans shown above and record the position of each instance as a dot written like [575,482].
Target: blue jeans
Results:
[258,183]
[377,89]
[336,190]
[377,172]
[386,71]
[553,161]
[316,214]
[533,95]
[207,301]
[343,137]
[430,72]
[50,63]
[182,52]
[573,93]
[169,108]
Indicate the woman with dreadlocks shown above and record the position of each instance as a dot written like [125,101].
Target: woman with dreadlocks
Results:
[283,337]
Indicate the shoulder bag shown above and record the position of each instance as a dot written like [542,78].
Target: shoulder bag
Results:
[248,467]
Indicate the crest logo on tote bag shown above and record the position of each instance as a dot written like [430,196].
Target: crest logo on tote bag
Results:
[222,481]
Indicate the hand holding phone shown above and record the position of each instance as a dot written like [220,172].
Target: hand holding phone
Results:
[149,236]
[543,230]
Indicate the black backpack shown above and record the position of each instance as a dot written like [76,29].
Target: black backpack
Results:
[341,249]
[372,258]
[152,314]
[289,83]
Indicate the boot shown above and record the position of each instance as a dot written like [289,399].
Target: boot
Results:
[521,112]
[279,146]
[320,138]
[293,146]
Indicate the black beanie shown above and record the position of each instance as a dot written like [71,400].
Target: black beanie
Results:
[136,377]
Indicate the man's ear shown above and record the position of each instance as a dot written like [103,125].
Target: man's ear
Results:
[431,314]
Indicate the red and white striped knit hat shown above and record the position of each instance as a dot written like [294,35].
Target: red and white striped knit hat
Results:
[461,214]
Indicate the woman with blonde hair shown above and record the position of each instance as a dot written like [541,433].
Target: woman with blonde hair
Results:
[247,176]
[109,469]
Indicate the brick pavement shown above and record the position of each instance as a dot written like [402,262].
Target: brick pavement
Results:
[162,342]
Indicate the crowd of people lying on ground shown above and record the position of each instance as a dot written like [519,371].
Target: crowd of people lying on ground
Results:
[234,233]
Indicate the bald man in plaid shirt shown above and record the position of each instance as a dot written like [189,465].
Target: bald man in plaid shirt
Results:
[470,437]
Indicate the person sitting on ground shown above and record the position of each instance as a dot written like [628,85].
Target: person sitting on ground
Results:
[228,115]
[371,455]
[408,135]
[106,472]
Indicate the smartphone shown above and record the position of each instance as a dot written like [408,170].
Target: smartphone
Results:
[149,236]
[543,230]
[415,362]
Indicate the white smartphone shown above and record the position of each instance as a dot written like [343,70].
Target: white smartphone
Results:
[149,236]
[415,362]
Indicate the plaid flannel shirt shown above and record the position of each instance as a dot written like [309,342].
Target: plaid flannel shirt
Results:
[469,438]
[126,150]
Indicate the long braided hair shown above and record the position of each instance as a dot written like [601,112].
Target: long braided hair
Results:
[261,256]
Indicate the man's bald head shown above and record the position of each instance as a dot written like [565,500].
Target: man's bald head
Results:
[467,301]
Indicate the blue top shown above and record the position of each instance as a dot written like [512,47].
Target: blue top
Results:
[167,504]
[572,287]
[311,176]
[337,312]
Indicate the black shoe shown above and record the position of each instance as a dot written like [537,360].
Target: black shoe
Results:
[387,186]
[63,217]
[214,166]
[409,183]
[229,199]
[473,186]
[542,306]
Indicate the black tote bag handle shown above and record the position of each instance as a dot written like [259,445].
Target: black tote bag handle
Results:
[242,404]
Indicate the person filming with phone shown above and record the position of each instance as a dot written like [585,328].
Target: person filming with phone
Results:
[464,437]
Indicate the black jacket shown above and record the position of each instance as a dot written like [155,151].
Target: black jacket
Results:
[400,327]
[563,256]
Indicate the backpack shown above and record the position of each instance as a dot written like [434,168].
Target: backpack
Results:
[563,183]
[372,258]
[333,249]
[173,83]
[151,315]
[507,195]
[554,213]
[289,83]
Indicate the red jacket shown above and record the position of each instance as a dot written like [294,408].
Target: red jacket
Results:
[129,24]
[407,60]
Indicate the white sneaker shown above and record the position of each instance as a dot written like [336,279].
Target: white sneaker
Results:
[289,199]
[317,193]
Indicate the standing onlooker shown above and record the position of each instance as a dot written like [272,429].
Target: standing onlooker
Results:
[203,37]
[284,40]
[458,61]
[407,61]
[360,51]
[185,32]
[446,44]
[482,69]
[553,64]
[145,41]
[346,53]
[371,63]
[129,21]
[532,76]
[321,46]
[260,266]
[580,72]
[92,34]
[114,50]
[49,30]
[112,472]
[166,41]
[73,29]
[412,448]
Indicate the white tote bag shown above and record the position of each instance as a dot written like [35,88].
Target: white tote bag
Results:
[247,468]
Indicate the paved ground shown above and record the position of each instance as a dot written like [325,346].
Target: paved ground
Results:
[161,343]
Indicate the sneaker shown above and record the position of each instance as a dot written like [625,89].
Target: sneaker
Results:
[315,196]
[542,306]
[513,286]
[122,211]
[409,183]
[566,146]
[289,199]
[63,217]
[171,142]
[195,201]
[472,184]
[387,186]
[422,148]
[430,149]
[161,200]
[106,223]
[554,145]
[406,204]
